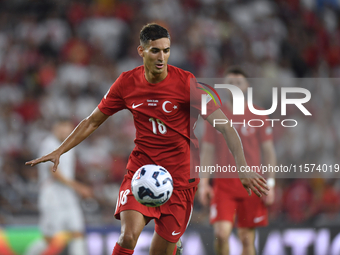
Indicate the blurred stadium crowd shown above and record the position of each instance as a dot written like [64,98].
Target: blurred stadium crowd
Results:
[58,58]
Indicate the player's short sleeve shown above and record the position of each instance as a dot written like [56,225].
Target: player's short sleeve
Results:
[196,92]
[113,100]
[210,133]
[266,131]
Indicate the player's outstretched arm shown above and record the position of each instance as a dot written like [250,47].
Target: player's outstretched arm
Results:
[250,180]
[82,189]
[83,130]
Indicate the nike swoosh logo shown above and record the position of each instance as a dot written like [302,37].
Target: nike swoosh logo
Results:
[135,106]
[175,234]
[258,219]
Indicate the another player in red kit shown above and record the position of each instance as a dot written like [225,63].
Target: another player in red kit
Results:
[229,201]
[158,96]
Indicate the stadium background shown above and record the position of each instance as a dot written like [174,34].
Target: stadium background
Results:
[58,58]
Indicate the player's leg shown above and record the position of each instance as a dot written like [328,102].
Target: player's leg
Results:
[49,245]
[56,244]
[36,247]
[222,231]
[251,213]
[175,217]
[75,224]
[132,224]
[77,245]
[247,238]
[55,240]
[222,214]
[133,215]
[160,246]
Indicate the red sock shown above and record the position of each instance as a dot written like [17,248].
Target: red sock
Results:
[118,250]
[175,250]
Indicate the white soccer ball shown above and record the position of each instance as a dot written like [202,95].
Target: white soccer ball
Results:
[152,185]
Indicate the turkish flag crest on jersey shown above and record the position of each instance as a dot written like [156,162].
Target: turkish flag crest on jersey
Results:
[170,107]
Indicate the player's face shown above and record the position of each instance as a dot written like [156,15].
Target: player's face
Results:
[238,80]
[155,55]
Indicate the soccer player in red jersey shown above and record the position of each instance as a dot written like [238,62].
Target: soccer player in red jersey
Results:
[228,200]
[158,96]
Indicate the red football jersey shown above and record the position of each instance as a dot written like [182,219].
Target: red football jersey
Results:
[164,125]
[251,138]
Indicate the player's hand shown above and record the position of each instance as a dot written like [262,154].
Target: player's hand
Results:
[269,199]
[252,181]
[53,157]
[205,193]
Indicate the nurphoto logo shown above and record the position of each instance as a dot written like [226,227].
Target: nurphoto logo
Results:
[239,103]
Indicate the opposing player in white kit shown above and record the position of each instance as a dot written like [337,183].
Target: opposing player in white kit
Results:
[61,218]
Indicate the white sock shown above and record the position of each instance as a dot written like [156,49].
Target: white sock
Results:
[37,247]
[77,246]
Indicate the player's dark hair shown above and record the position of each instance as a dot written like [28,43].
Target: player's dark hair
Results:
[152,32]
[236,70]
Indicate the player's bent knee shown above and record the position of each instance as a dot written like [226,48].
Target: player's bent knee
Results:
[247,241]
[222,231]
[128,240]
[221,235]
